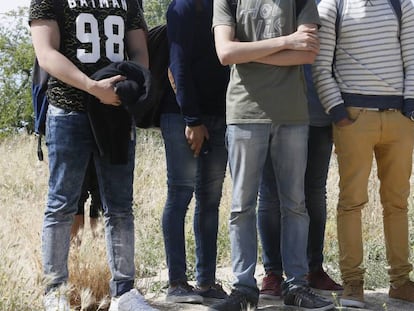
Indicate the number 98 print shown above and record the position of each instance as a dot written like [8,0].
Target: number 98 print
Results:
[87,31]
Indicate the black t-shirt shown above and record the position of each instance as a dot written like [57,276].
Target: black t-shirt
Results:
[92,35]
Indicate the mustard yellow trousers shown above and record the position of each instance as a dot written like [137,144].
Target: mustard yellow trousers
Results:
[389,136]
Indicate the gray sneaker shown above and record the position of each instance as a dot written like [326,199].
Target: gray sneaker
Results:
[131,300]
[304,298]
[56,300]
[183,293]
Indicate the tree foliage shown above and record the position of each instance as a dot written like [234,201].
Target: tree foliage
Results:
[16,61]
[154,11]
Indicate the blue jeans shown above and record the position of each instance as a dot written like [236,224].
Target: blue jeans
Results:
[187,175]
[249,145]
[70,144]
[319,154]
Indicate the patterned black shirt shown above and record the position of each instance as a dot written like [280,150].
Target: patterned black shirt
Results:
[92,35]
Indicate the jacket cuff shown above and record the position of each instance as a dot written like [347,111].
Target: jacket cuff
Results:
[338,113]
[192,121]
[408,106]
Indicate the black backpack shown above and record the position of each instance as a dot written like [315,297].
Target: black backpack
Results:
[158,65]
[40,104]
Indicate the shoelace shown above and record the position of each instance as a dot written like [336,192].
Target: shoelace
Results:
[187,286]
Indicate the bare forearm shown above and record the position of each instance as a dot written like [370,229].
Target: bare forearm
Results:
[288,58]
[137,47]
[231,51]
[234,52]
[62,69]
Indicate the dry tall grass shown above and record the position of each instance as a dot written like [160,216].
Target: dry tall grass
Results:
[23,185]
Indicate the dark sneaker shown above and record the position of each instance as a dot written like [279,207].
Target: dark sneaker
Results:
[212,293]
[271,286]
[304,298]
[237,301]
[403,292]
[321,283]
[183,293]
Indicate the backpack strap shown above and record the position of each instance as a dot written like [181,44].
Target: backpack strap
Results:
[396,6]
[339,14]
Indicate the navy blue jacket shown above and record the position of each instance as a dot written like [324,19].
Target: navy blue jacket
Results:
[200,79]
[317,114]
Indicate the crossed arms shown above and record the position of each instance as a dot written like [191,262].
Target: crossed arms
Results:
[298,48]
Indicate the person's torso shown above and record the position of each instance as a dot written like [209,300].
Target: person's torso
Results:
[92,35]
[208,76]
[266,93]
[368,53]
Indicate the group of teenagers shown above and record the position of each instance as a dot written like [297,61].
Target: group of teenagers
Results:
[264,87]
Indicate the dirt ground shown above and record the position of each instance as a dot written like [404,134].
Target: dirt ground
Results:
[377,300]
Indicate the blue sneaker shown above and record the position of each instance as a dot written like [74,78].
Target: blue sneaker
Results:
[237,301]
[183,293]
[213,293]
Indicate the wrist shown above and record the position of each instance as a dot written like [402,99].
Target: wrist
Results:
[90,86]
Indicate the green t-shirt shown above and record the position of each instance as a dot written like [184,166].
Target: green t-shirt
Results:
[260,93]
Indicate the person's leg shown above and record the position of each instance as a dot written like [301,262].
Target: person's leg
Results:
[181,171]
[248,147]
[268,222]
[70,143]
[116,192]
[319,154]
[116,189]
[181,176]
[289,156]
[289,153]
[354,145]
[210,177]
[394,162]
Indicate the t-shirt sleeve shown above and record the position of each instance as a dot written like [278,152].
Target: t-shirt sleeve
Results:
[309,14]
[222,14]
[41,9]
[135,17]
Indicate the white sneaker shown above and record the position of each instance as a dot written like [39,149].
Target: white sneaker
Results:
[55,300]
[130,301]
